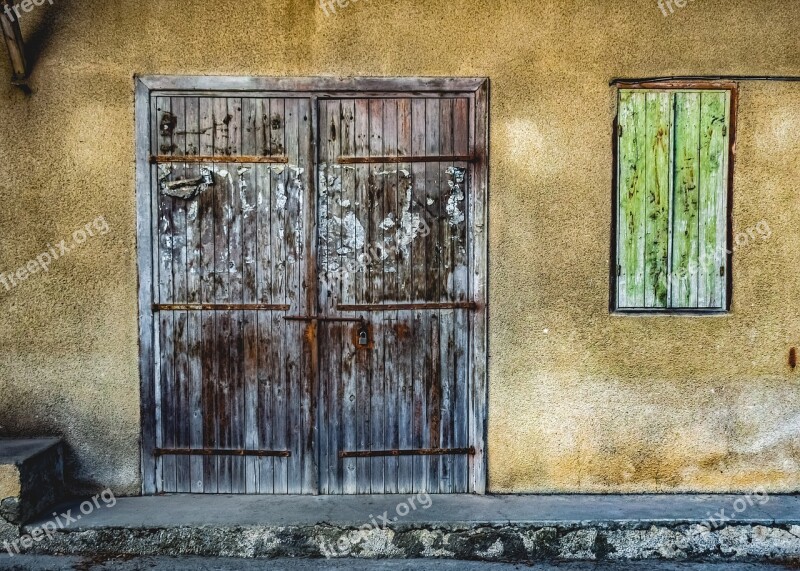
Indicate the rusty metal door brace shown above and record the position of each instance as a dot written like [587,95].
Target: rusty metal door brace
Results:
[220,307]
[412,452]
[219,452]
[472,306]
[322,318]
[193,159]
[406,159]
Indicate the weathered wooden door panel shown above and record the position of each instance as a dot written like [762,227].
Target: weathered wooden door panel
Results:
[236,390]
[313,314]
[394,250]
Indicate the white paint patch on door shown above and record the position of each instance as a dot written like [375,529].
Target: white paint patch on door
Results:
[453,208]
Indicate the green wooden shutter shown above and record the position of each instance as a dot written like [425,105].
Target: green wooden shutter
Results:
[712,280]
[672,199]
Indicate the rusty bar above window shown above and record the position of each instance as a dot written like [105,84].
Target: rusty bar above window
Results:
[399,159]
[220,452]
[219,307]
[408,306]
[158,159]
[414,452]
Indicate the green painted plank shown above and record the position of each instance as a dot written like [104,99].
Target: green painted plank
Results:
[713,198]
[657,160]
[631,193]
[685,228]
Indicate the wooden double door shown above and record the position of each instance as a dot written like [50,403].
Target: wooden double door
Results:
[315,278]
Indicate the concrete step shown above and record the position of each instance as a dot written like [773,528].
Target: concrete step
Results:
[31,479]
[750,527]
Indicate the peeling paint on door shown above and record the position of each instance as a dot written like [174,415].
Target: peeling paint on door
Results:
[455,183]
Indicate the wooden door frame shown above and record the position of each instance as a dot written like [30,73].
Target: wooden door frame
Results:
[477,89]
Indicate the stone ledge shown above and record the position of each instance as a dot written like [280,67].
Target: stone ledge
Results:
[8,532]
[31,477]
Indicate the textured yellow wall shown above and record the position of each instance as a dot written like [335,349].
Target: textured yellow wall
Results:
[580,400]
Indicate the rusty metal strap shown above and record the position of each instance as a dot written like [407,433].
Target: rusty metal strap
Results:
[322,318]
[159,159]
[413,452]
[219,452]
[400,159]
[408,306]
[220,307]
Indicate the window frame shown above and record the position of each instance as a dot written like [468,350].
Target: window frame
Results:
[675,85]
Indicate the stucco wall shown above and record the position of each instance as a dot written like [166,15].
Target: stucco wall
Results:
[579,400]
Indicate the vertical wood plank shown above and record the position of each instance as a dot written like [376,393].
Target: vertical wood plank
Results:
[685,221]
[437,259]
[405,279]
[308,293]
[193,286]
[207,286]
[421,329]
[336,331]
[377,377]
[281,330]
[462,262]
[343,231]
[350,370]
[247,183]
[293,236]
[326,180]
[658,110]
[713,199]
[264,278]
[632,200]
[372,210]
[724,229]
[452,198]
[223,215]
[236,272]
[155,209]
[180,294]
[146,218]
[396,358]
[479,145]
[168,390]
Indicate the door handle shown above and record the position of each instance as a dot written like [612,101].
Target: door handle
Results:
[361,337]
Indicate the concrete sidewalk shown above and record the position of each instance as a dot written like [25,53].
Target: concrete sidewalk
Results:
[237,510]
[50,563]
[488,528]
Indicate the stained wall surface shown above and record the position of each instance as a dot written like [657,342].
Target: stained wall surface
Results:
[580,400]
